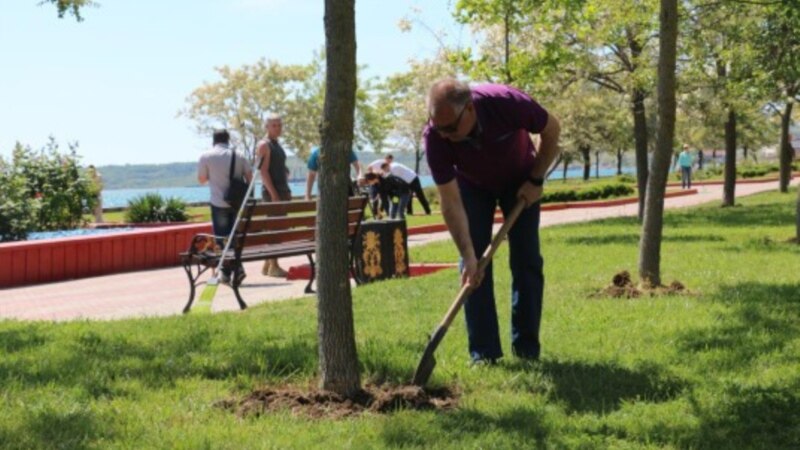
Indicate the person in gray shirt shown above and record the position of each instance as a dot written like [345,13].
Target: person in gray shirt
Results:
[214,168]
[274,178]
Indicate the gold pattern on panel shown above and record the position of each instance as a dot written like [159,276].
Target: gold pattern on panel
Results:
[399,253]
[371,254]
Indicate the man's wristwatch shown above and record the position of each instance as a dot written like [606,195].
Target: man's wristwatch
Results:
[536,181]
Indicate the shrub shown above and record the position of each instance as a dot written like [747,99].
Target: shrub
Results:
[18,210]
[595,192]
[43,190]
[152,207]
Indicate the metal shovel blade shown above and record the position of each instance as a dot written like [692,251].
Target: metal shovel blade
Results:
[428,362]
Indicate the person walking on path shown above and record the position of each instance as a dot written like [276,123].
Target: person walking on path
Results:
[481,155]
[214,168]
[274,178]
[685,161]
[313,168]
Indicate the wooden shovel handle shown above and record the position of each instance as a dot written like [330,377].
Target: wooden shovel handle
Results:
[486,258]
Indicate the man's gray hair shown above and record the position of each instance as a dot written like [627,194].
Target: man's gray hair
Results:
[273,117]
[448,91]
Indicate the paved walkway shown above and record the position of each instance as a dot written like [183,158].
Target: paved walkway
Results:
[164,292]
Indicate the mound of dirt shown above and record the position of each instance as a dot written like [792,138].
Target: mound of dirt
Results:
[622,286]
[321,404]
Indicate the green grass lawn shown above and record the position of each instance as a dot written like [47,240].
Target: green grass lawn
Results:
[718,369]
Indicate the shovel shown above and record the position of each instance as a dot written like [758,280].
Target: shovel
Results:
[428,362]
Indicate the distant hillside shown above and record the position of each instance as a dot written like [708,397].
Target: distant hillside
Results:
[184,174]
[149,175]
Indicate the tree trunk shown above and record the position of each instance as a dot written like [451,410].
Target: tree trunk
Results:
[597,164]
[729,189]
[652,226]
[619,161]
[744,153]
[418,154]
[587,161]
[640,137]
[700,157]
[338,360]
[566,167]
[786,151]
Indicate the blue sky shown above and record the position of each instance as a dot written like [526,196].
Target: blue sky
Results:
[116,81]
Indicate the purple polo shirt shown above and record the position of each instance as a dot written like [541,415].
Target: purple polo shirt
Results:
[501,155]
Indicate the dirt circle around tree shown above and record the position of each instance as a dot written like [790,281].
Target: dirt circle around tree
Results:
[318,404]
[622,286]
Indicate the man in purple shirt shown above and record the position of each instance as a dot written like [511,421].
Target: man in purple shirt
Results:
[481,155]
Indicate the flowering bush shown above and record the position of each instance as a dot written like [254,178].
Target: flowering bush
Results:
[43,190]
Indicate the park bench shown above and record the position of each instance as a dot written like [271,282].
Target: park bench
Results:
[265,231]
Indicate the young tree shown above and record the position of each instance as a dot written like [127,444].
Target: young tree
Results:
[778,41]
[652,227]
[245,96]
[338,360]
[722,60]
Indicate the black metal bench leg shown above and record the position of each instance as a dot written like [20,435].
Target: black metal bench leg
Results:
[235,286]
[312,276]
[188,269]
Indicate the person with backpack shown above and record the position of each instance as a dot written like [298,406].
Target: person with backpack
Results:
[217,167]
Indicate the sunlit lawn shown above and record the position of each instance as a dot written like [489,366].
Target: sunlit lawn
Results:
[717,369]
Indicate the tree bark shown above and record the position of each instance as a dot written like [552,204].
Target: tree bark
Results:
[729,188]
[652,226]
[619,161]
[597,163]
[566,167]
[338,360]
[640,138]
[587,161]
[786,151]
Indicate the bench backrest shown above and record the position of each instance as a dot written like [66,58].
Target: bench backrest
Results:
[273,223]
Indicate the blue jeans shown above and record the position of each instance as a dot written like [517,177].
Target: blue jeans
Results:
[527,277]
[400,207]
[686,177]
[222,220]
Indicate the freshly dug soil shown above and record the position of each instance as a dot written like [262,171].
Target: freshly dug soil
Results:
[321,404]
[622,286]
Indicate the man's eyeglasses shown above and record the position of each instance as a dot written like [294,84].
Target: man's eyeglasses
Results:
[453,127]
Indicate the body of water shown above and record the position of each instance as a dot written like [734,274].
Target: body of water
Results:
[38,235]
[115,198]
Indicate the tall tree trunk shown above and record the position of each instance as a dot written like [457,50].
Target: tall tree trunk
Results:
[338,360]
[597,163]
[619,161]
[786,151]
[729,189]
[587,160]
[566,167]
[640,138]
[744,153]
[700,158]
[652,226]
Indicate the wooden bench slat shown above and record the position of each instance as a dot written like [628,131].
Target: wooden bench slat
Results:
[282,208]
[256,225]
[278,237]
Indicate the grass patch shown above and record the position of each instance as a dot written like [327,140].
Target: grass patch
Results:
[720,369]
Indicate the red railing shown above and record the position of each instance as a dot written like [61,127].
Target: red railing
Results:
[48,260]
